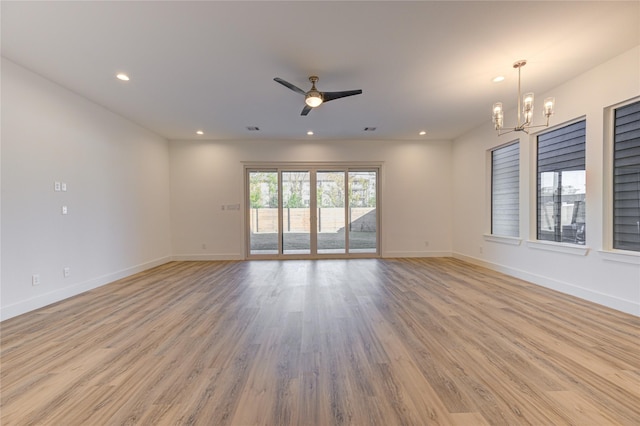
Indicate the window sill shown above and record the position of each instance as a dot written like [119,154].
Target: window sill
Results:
[620,256]
[512,241]
[559,247]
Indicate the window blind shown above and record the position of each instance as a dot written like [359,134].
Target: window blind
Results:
[505,190]
[562,149]
[626,179]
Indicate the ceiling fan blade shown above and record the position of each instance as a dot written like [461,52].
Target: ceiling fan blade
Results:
[306,110]
[289,85]
[329,96]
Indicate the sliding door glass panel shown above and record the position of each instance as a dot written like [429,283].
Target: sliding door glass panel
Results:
[330,196]
[263,218]
[296,212]
[362,212]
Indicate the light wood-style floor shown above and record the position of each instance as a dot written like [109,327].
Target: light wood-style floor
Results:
[330,342]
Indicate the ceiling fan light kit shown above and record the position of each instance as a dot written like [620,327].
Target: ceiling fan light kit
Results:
[525,110]
[314,98]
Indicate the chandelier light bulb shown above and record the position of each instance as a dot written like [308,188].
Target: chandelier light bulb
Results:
[527,108]
[548,106]
[498,115]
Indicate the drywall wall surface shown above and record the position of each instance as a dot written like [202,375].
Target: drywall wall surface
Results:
[415,200]
[593,271]
[61,151]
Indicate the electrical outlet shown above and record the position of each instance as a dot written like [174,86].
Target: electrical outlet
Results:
[57,186]
[66,271]
[35,279]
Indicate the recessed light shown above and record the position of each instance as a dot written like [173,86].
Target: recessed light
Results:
[422,133]
[200,132]
[310,133]
[122,76]
[498,79]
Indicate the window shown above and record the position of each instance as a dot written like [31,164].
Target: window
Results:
[312,210]
[626,178]
[505,190]
[562,184]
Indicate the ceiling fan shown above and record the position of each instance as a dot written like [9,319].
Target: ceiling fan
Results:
[314,97]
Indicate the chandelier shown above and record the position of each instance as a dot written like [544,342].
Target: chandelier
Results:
[525,110]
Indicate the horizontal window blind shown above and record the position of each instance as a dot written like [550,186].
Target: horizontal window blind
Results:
[626,179]
[505,190]
[562,149]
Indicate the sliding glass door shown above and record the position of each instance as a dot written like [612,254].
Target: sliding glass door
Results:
[296,212]
[363,199]
[331,218]
[263,212]
[312,212]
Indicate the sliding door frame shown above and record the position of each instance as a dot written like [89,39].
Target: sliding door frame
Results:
[312,168]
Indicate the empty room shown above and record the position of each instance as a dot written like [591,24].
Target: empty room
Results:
[320,213]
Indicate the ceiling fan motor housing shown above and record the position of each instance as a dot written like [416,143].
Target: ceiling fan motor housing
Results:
[313,97]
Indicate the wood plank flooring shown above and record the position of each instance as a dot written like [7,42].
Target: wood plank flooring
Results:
[331,342]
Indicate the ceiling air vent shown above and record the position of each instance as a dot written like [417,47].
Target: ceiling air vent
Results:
[370,129]
[253,128]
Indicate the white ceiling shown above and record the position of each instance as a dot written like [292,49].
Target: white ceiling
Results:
[210,65]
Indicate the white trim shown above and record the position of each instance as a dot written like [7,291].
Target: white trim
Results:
[57,295]
[559,247]
[488,218]
[533,170]
[608,138]
[310,164]
[620,256]
[501,239]
[312,168]
[627,306]
[607,176]
[397,254]
[207,257]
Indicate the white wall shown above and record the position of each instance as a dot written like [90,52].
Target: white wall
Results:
[117,175]
[416,191]
[609,279]
[136,200]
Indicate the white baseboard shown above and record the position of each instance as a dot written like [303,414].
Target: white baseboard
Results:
[396,254]
[208,257]
[43,300]
[607,300]
[57,295]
